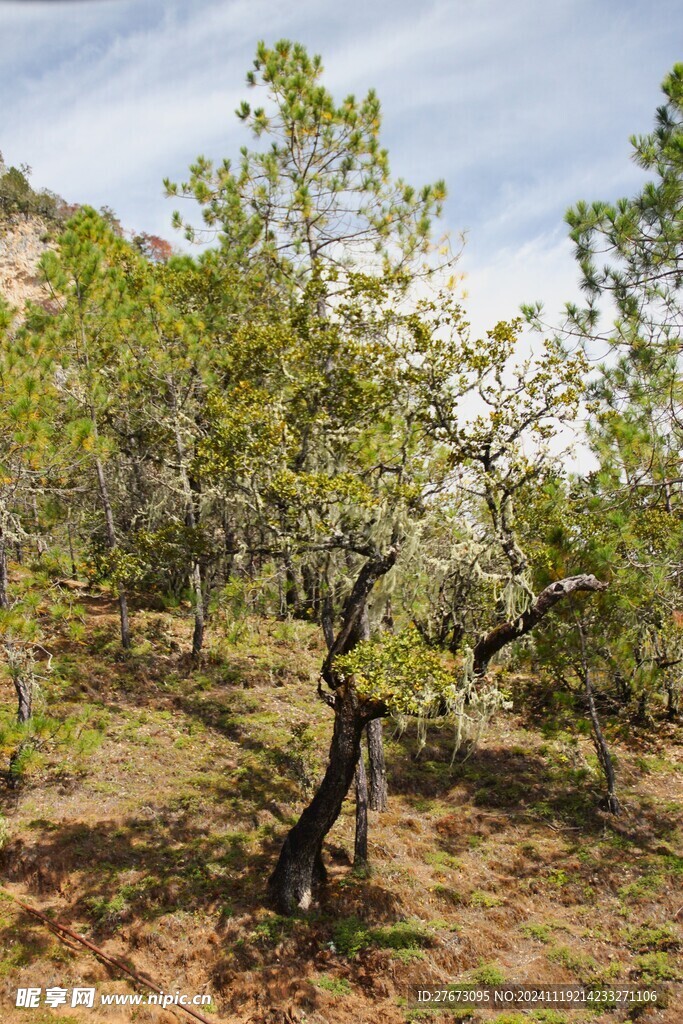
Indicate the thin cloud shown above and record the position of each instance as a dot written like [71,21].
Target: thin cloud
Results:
[523,108]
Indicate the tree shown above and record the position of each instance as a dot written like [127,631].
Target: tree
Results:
[85,336]
[303,214]
[319,198]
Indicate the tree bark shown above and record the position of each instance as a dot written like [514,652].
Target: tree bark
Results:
[112,542]
[360,848]
[300,860]
[198,631]
[190,522]
[672,701]
[24,699]
[539,608]
[4,574]
[291,884]
[378,769]
[599,742]
[601,748]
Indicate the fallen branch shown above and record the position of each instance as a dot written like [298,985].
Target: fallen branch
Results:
[60,930]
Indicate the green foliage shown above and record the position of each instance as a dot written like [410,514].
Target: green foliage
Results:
[488,974]
[319,194]
[401,671]
[658,966]
[351,936]
[540,932]
[18,197]
[335,986]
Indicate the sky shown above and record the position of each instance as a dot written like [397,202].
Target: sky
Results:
[523,108]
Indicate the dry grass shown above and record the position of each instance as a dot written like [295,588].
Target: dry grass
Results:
[152,826]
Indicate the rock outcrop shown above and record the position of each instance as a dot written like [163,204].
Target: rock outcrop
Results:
[22,243]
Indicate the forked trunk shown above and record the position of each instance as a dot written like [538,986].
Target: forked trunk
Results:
[300,862]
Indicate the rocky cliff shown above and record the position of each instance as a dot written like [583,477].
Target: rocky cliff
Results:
[22,243]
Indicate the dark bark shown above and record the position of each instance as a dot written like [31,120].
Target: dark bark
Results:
[355,608]
[505,633]
[360,847]
[292,881]
[378,770]
[327,620]
[291,588]
[641,709]
[300,861]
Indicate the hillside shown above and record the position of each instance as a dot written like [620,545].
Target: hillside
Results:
[150,819]
[22,244]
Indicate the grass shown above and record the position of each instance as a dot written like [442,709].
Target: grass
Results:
[654,967]
[155,817]
[540,932]
[405,939]
[335,986]
[484,899]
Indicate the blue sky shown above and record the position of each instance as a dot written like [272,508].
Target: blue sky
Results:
[522,107]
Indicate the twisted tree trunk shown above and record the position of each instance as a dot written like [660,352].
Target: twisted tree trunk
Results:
[299,864]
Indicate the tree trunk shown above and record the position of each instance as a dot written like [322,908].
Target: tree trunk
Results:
[360,849]
[598,736]
[71,545]
[601,747]
[111,540]
[291,883]
[310,581]
[641,711]
[292,604]
[4,574]
[190,522]
[24,699]
[198,632]
[671,701]
[378,770]
[300,861]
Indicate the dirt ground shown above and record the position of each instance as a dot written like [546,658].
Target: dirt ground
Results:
[153,808]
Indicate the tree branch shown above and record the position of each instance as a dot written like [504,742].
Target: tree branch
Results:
[506,632]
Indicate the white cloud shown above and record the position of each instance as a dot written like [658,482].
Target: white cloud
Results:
[524,107]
